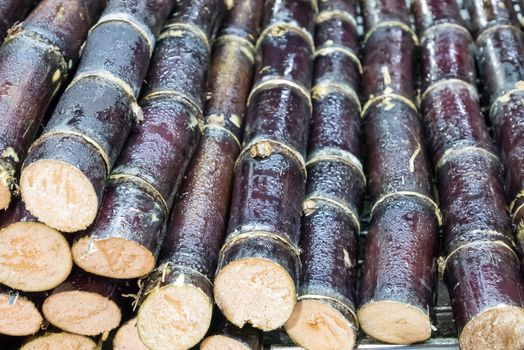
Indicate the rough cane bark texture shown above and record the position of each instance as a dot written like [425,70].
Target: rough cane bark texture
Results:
[259,259]
[126,237]
[398,270]
[85,304]
[325,313]
[485,14]
[225,335]
[500,52]
[33,256]
[197,226]
[93,117]
[481,266]
[34,63]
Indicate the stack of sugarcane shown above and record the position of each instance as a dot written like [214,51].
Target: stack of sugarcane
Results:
[324,317]
[398,270]
[481,266]
[249,197]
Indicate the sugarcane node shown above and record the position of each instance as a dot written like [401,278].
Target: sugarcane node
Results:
[261,150]
[327,15]
[132,22]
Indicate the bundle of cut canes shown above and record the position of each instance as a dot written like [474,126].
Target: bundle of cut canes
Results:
[236,177]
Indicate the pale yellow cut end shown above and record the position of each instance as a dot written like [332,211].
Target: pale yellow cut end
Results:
[33,257]
[394,322]
[315,325]
[5,196]
[59,195]
[18,317]
[174,317]
[60,341]
[81,312]
[113,257]
[220,342]
[126,338]
[255,291]
[497,328]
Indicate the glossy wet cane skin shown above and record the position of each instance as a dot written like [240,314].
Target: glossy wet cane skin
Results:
[160,148]
[488,13]
[401,241]
[12,11]
[470,177]
[277,113]
[34,63]
[329,232]
[430,13]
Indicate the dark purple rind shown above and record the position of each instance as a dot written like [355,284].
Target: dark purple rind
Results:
[453,119]
[12,11]
[336,180]
[284,55]
[500,59]
[394,142]
[378,11]
[448,53]
[106,117]
[329,244]
[336,31]
[248,336]
[498,269]
[337,67]
[243,20]
[507,118]
[15,213]
[334,125]
[467,183]
[231,67]
[347,6]
[199,219]
[428,13]
[82,281]
[297,12]
[400,250]
[489,13]
[273,114]
[391,48]
[28,68]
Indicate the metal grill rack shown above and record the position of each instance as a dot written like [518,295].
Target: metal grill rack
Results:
[444,336]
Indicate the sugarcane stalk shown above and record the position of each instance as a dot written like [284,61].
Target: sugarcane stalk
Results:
[225,335]
[325,316]
[196,230]
[35,61]
[259,262]
[93,118]
[398,271]
[478,244]
[57,340]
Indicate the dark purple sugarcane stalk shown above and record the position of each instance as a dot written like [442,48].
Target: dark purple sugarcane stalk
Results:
[335,186]
[500,52]
[398,270]
[35,61]
[197,226]
[126,237]
[94,116]
[261,247]
[478,244]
